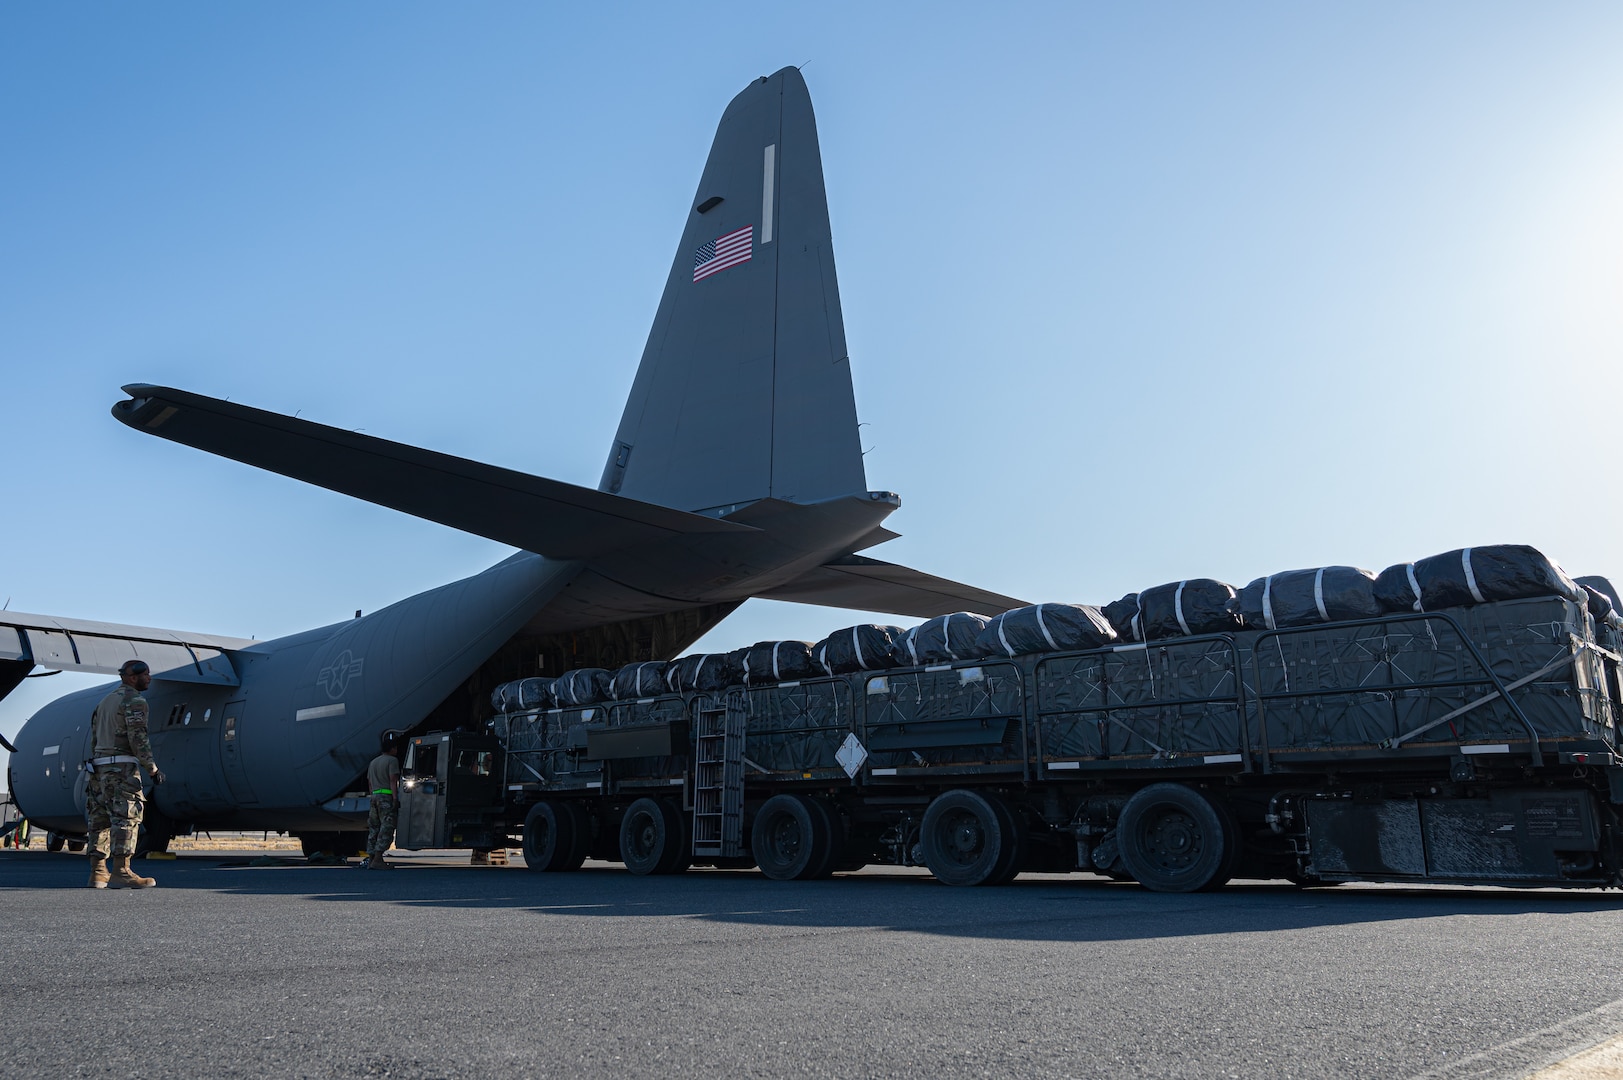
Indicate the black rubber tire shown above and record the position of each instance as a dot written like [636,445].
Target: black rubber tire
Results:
[311,843]
[76,847]
[349,845]
[1233,846]
[1014,833]
[653,839]
[581,831]
[551,837]
[792,838]
[830,837]
[679,856]
[964,838]
[55,842]
[1173,839]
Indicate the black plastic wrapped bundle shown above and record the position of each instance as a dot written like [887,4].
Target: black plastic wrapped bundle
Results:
[1305,597]
[1604,606]
[861,648]
[945,638]
[1045,628]
[522,695]
[643,680]
[1182,608]
[1123,617]
[1481,575]
[778,661]
[583,686]
[705,673]
[1396,589]
[1603,586]
[1600,605]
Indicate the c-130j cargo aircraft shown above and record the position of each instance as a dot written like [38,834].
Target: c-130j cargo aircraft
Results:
[736,472]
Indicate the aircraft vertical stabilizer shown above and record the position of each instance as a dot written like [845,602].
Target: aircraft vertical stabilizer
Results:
[744,391]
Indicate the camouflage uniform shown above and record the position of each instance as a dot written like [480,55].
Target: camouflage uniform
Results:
[114,802]
[383,775]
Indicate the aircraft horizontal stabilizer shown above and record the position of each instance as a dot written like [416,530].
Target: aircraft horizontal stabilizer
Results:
[548,517]
[856,581]
[29,641]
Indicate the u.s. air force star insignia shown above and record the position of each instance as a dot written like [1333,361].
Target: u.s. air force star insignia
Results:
[335,678]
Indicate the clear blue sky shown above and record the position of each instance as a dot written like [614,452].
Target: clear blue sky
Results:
[1133,292]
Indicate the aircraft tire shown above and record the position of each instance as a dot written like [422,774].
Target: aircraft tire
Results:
[54,842]
[1173,839]
[965,838]
[792,838]
[75,847]
[652,838]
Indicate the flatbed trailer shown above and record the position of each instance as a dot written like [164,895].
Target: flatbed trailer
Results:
[1472,745]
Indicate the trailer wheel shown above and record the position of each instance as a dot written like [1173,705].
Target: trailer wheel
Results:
[1173,839]
[1014,834]
[966,839]
[1233,846]
[552,837]
[792,838]
[580,824]
[652,839]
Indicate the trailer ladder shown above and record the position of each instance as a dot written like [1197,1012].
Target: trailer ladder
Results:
[718,777]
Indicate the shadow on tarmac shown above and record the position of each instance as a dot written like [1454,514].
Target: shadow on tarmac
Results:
[1049,908]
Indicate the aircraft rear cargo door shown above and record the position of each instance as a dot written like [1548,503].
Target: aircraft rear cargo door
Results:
[236,776]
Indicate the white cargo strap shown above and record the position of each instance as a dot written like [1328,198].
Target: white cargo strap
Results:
[1470,578]
[1042,624]
[1318,595]
[1138,632]
[700,668]
[946,637]
[856,645]
[1414,583]
[1002,640]
[912,643]
[1268,602]
[776,675]
[1177,607]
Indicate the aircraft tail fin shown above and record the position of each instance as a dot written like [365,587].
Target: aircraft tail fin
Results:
[744,390]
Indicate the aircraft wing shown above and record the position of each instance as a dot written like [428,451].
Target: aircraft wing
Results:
[856,581]
[27,641]
[547,517]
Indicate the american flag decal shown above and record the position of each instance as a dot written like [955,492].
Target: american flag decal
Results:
[714,256]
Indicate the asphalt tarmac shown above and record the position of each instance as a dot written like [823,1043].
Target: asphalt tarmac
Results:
[439,969]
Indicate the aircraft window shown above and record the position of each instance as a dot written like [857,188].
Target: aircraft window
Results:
[175,714]
[230,729]
[474,762]
[187,719]
[206,714]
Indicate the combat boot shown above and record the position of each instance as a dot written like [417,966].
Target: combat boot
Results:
[98,871]
[377,862]
[122,877]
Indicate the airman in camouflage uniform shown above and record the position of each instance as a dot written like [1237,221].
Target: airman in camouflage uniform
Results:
[383,781]
[114,801]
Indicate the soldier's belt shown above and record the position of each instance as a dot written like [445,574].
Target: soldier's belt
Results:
[113,759]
